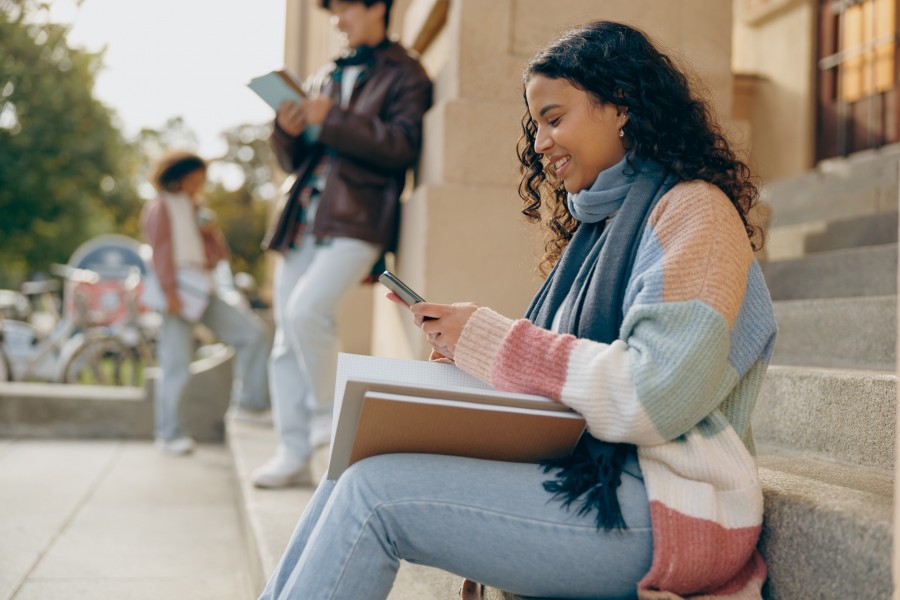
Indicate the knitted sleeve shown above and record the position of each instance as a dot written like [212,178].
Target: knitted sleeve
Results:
[697,319]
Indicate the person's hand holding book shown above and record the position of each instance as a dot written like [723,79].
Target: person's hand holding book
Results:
[294,117]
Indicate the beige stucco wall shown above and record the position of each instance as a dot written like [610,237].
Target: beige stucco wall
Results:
[463,237]
[778,46]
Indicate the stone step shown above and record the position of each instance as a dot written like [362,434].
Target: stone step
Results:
[868,271]
[68,411]
[827,532]
[796,241]
[837,332]
[852,233]
[864,183]
[840,414]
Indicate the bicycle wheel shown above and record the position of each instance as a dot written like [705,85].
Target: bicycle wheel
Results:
[103,361]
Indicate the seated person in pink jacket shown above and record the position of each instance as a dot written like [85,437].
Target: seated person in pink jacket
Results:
[172,226]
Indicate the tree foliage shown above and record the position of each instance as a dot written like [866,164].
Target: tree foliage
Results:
[65,170]
[243,212]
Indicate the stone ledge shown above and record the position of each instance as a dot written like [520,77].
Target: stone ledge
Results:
[18,389]
[42,410]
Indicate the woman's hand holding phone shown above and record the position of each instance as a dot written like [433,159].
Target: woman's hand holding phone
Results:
[445,323]
[442,323]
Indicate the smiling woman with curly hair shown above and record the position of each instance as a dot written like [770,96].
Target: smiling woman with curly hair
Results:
[654,324]
[619,65]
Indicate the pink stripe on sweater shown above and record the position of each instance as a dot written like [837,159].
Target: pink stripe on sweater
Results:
[533,360]
[693,555]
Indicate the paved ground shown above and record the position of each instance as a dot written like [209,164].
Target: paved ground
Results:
[114,519]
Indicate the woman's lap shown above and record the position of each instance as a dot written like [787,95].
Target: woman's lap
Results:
[489,521]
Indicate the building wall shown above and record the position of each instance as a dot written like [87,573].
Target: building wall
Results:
[463,238]
[774,43]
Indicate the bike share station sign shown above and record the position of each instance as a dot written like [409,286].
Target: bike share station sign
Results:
[113,258]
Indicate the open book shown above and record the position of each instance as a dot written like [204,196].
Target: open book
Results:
[276,87]
[389,405]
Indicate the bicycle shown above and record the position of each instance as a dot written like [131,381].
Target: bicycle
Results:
[88,347]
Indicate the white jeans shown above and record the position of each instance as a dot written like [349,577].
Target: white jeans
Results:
[310,282]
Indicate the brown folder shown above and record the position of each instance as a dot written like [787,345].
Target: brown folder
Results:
[389,405]
[392,423]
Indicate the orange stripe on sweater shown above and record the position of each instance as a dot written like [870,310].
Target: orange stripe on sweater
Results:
[706,251]
[692,556]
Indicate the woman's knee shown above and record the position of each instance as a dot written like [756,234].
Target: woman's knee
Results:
[370,479]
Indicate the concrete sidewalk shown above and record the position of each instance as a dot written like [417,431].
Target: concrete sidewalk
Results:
[118,519]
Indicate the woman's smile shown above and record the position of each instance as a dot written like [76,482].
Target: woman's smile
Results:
[560,165]
[578,136]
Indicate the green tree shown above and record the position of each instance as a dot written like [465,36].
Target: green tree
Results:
[65,171]
[243,210]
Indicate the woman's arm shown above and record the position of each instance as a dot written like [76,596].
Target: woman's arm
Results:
[692,328]
[157,231]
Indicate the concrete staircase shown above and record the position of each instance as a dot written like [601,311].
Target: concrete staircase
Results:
[825,421]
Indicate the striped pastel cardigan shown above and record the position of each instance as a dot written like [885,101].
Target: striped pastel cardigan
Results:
[680,382]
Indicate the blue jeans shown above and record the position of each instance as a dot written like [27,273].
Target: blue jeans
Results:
[233,325]
[489,521]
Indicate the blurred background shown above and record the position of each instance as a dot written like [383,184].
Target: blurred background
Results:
[92,91]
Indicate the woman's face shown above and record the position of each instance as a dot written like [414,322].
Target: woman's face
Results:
[192,183]
[578,138]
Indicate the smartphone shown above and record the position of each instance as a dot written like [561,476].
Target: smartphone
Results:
[393,283]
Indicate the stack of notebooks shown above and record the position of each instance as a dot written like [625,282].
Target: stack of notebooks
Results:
[386,405]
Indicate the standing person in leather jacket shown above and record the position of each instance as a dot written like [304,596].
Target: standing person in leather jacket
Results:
[349,144]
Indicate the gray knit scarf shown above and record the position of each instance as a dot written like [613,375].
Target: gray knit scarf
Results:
[593,273]
[604,197]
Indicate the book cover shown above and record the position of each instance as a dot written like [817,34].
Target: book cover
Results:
[276,87]
[392,405]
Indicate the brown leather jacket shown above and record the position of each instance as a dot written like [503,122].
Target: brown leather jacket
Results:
[376,139]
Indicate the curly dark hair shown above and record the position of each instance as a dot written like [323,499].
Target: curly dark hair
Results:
[618,64]
[174,166]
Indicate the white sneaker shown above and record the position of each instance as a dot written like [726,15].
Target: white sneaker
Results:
[282,471]
[320,431]
[260,418]
[177,446]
